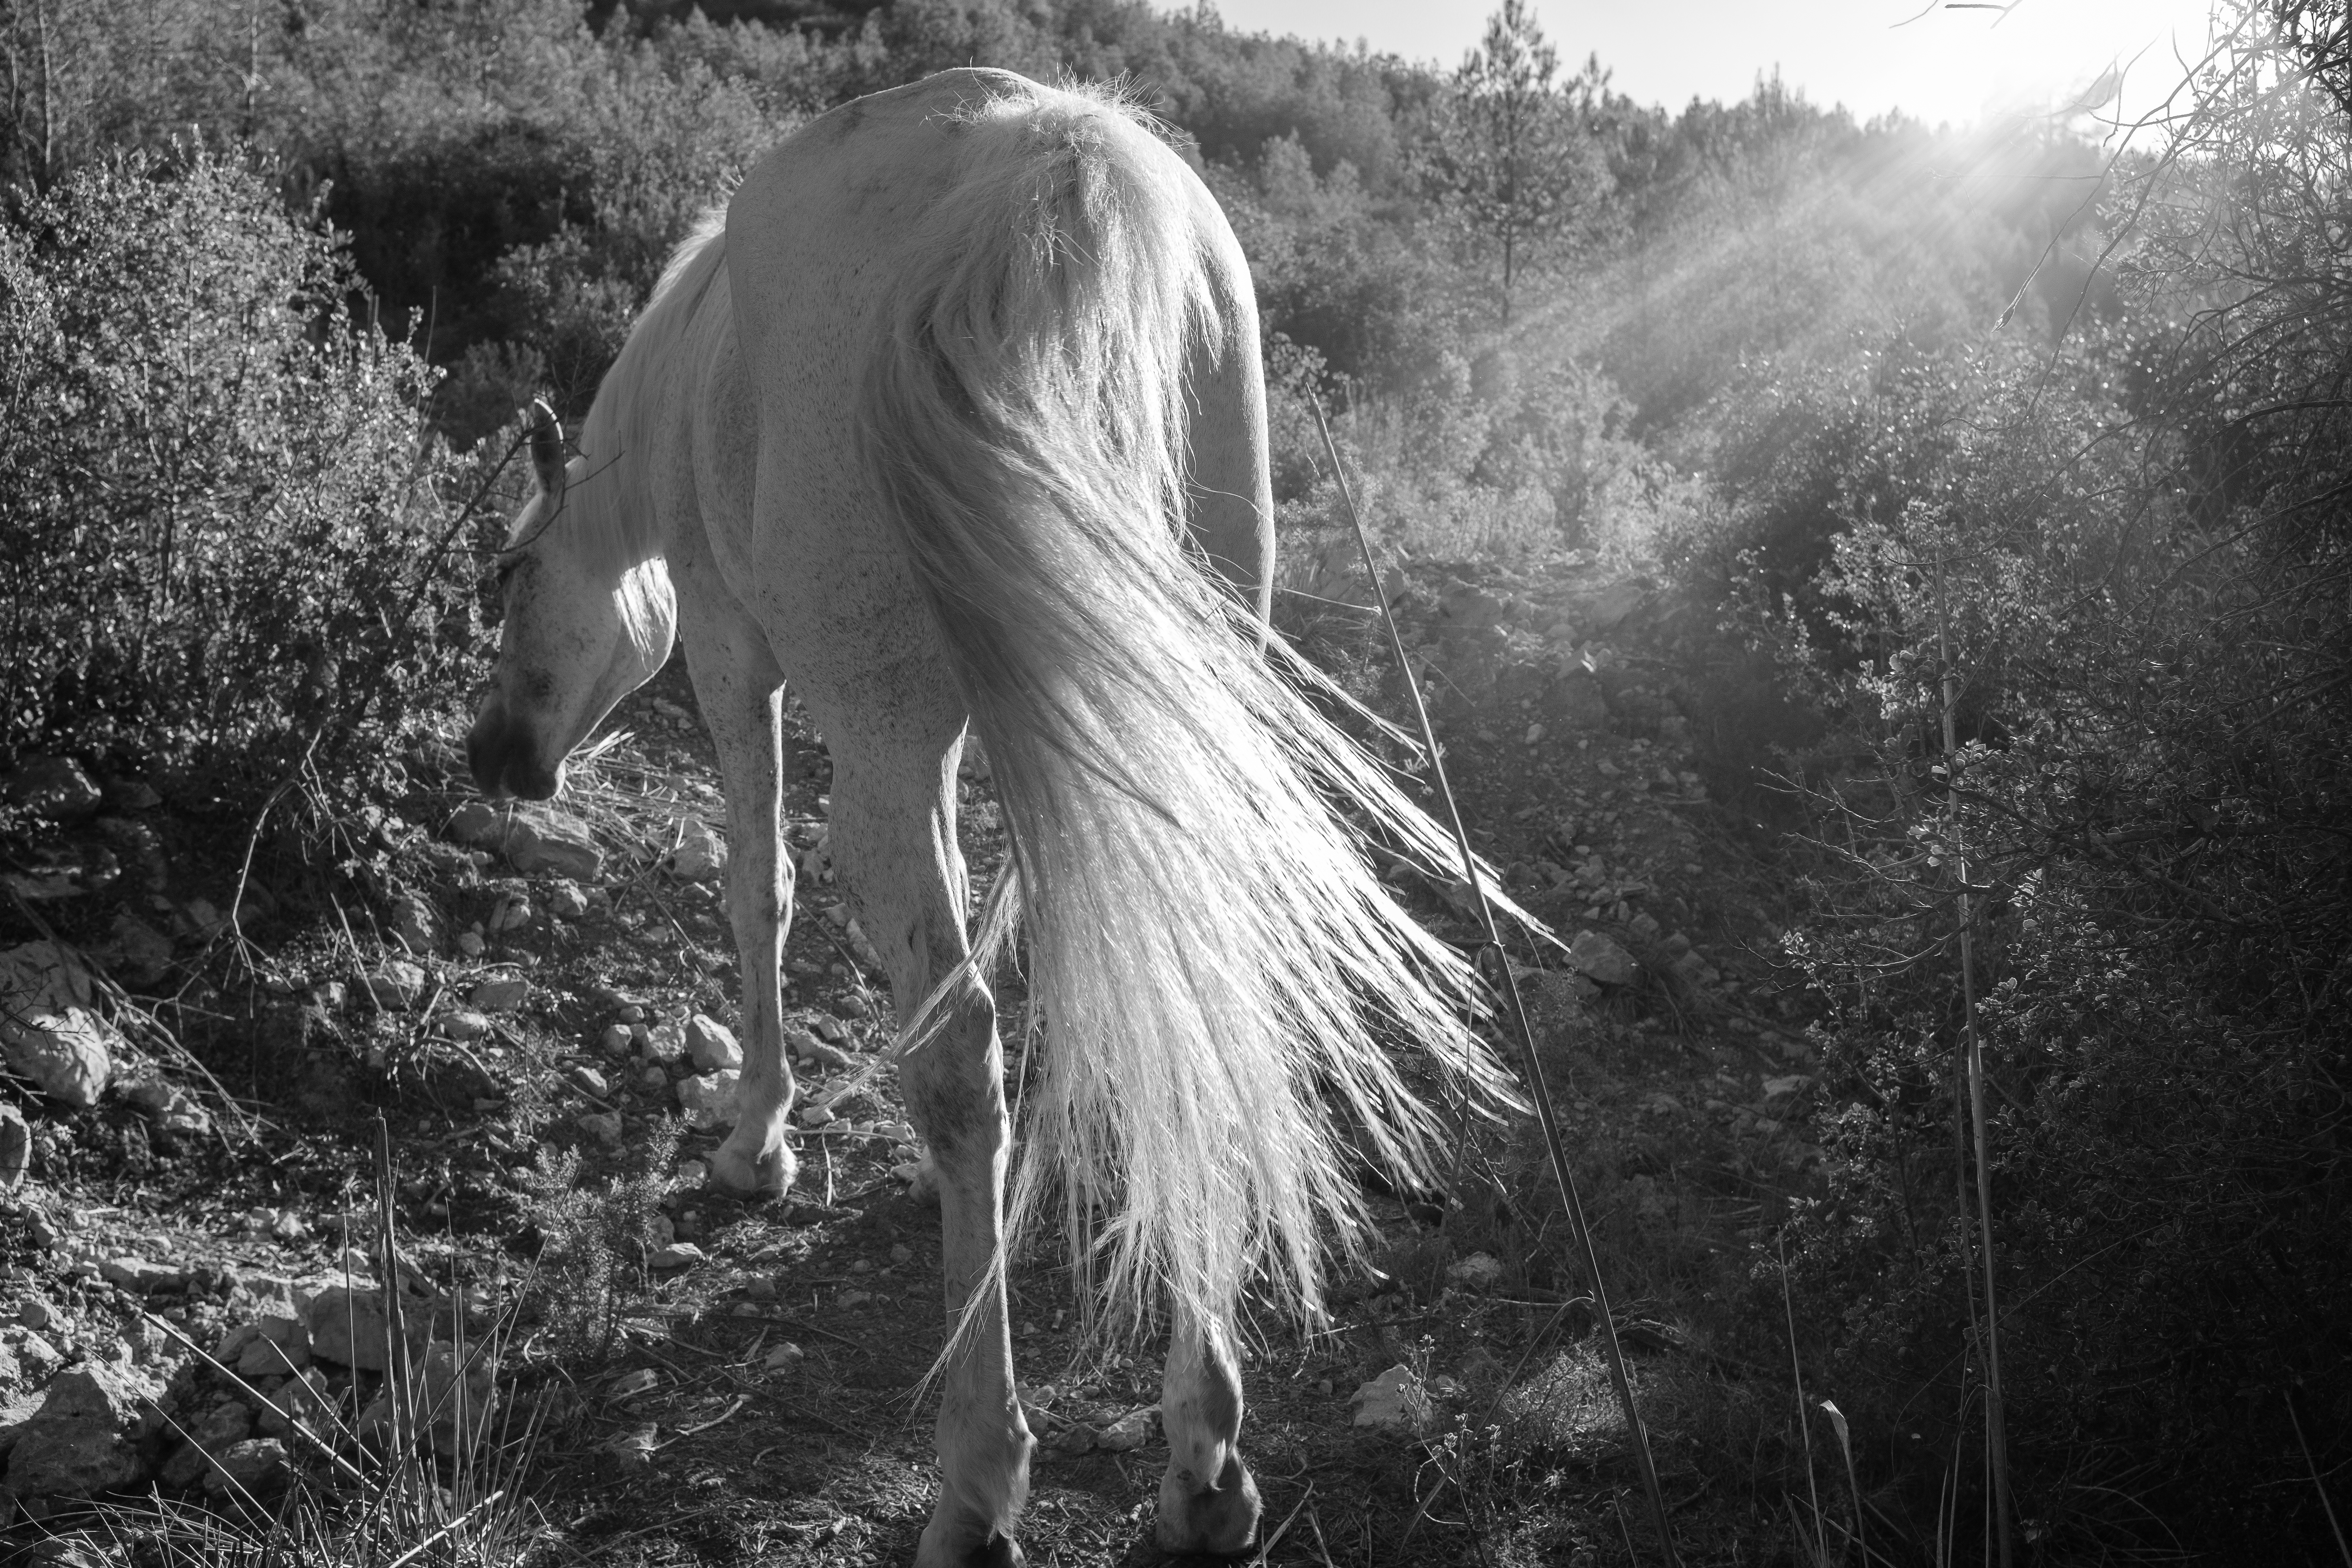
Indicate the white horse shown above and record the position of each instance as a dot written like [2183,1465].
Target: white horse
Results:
[945,425]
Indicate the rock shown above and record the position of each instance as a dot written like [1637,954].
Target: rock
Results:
[227,1422]
[676,1255]
[700,854]
[350,1326]
[816,1115]
[477,823]
[615,1040]
[666,1041]
[89,1436]
[416,924]
[257,1468]
[604,1126]
[653,1081]
[49,1031]
[53,788]
[1130,1431]
[275,1346]
[304,1400]
[1479,1272]
[512,912]
[565,899]
[784,1357]
[1602,960]
[465,1023]
[396,986]
[15,1147]
[500,996]
[142,955]
[139,1276]
[809,1047]
[552,842]
[471,944]
[1392,1402]
[709,1100]
[36,1313]
[588,1081]
[631,1384]
[711,1045]
[454,1409]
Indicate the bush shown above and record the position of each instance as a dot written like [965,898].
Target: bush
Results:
[219,509]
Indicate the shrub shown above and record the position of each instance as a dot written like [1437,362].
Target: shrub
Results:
[219,510]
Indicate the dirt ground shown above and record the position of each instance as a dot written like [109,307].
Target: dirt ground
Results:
[756,1404]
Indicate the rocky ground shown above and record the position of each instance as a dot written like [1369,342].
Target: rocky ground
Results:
[208,1295]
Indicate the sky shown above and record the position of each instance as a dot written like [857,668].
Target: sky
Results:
[1932,59]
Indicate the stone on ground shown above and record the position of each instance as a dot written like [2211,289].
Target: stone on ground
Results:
[15,1147]
[552,842]
[90,1435]
[700,854]
[257,1468]
[53,788]
[1601,959]
[711,1045]
[351,1327]
[49,1031]
[1392,1402]
[710,1099]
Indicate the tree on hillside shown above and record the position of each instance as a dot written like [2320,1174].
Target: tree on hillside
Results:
[1511,157]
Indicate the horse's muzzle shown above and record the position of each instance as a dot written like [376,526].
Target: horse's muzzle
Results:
[506,759]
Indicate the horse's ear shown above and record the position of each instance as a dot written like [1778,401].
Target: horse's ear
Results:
[546,449]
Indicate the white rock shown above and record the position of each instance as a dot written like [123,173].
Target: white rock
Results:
[565,899]
[1479,1272]
[784,1356]
[709,1100]
[604,1126]
[1130,1431]
[15,1147]
[700,854]
[503,994]
[678,1254]
[1392,1402]
[711,1045]
[551,841]
[49,1031]
[397,986]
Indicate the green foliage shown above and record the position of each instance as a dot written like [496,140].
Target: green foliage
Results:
[596,1237]
[1510,155]
[219,509]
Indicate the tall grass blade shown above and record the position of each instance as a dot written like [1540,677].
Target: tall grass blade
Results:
[1804,1417]
[2326,1504]
[1547,1114]
[1996,1422]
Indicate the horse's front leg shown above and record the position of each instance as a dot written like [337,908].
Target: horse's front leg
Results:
[741,693]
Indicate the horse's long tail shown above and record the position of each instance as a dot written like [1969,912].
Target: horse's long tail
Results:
[1207,946]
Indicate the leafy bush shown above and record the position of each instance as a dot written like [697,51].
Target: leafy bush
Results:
[220,514]
[2151,835]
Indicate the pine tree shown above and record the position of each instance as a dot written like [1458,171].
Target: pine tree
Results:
[1511,158]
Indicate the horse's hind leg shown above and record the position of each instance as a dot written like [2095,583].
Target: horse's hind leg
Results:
[894,840]
[1208,1501]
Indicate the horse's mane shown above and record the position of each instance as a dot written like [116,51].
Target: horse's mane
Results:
[613,503]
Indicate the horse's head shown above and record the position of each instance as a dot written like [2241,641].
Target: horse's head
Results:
[580,633]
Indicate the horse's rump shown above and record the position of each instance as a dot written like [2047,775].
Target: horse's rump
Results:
[1204,935]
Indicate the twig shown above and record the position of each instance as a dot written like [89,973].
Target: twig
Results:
[741,1401]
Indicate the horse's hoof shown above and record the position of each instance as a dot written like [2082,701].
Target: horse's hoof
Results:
[743,1176]
[1222,1522]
